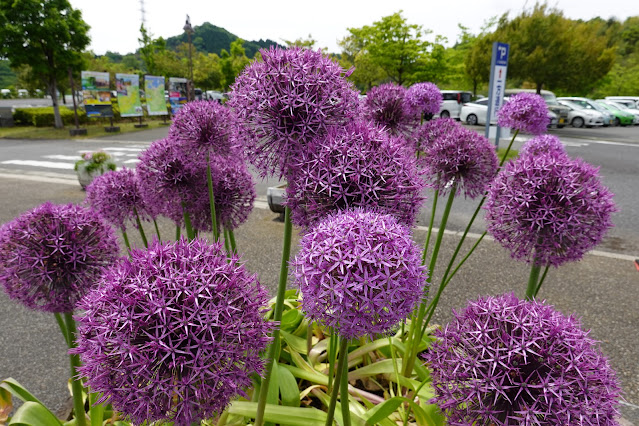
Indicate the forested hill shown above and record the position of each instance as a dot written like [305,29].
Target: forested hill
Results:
[211,39]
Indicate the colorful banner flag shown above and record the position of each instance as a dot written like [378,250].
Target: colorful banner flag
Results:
[155,100]
[96,94]
[177,93]
[128,87]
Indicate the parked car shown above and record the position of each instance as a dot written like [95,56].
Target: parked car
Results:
[622,106]
[213,95]
[578,116]
[474,113]
[551,101]
[609,119]
[634,99]
[23,93]
[453,100]
[621,118]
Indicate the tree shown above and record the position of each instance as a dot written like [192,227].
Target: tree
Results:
[233,63]
[47,35]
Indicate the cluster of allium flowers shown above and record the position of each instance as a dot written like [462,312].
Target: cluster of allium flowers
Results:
[204,126]
[423,99]
[386,106]
[234,191]
[505,361]
[431,130]
[172,180]
[358,165]
[543,144]
[285,100]
[173,333]
[526,112]
[460,157]
[548,209]
[359,272]
[116,197]
[52,255]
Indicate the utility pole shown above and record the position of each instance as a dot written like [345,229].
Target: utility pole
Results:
[189,86]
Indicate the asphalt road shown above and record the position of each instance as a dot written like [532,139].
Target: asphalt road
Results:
[601,289]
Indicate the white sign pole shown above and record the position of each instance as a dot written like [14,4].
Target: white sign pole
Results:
[497,85]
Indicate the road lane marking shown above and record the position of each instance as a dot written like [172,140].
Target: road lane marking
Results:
[62,157]
[45,179]
[34,163]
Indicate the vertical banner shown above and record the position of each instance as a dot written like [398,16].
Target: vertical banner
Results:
[128,88]
[154,90]
[96,94]
[177,93]
[497,85]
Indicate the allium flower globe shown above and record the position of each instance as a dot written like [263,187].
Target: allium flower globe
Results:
[386,106]
[423,99]
[285,100]
[116,197]
[358,165]
[359,272]
[526,112]
[173,333]
[548,209]
[54,254]
[505,361]
[543,144]
[204,126]
[462,157]
[431,130]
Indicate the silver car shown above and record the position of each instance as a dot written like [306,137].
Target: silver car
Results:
[585,103]
[578,116]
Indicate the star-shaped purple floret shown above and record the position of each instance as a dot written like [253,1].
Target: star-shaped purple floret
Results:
[526,112]
[423,99]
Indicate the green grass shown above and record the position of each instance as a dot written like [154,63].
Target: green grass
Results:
[93,131]
[511,154]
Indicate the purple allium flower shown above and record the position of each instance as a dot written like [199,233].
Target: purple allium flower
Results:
[543,144]
[173,333]
[463,157]
[358,165]
[431,130]
[526,112]
[285,100]
[234,191]
[423,99]
[359,272]
[505,361]
[204,126]
[115,195]
[386,106]
[52,255]
[547,208]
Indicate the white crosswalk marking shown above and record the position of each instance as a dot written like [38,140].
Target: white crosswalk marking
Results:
[34,163]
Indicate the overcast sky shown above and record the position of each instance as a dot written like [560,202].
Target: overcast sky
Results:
[115,24]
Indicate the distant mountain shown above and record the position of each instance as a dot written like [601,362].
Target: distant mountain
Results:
[211,39]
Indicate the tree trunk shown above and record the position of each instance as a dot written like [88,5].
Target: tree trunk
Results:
[64,97]
[54,100]
[539,86]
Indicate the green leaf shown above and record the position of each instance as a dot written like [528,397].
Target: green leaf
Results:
[289,391]
[380,367]
[6,405]
[272,397]
[383,410]
[311,376]
[434,416]
[18,390]
[291,319]
[34,414]
[293,416]
[296,343]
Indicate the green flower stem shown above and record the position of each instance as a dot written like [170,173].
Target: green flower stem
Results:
[125,236]
[541,281]
[157,229]
[503,160]
[232,240]
[190,234]
[227,246]
[277,316]
[343,361]
[415,334]
[63,328]
[140,228]
[96,411]
[209,182]
[332,352]
[343,386]
[430,226]
[533,280]
[76,384]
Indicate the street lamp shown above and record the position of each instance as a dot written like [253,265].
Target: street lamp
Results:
[189,32]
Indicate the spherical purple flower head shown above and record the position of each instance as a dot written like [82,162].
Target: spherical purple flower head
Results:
[52,255]
[204,126]
[170,177]
[359,272]
[386,106]
[431,130]
[547,208]
[173,333]
[505,361]
[285,100]
[358,165]
[423,99]
[543,144]
[234,191]
[526,112]
[116,197]
[463,157]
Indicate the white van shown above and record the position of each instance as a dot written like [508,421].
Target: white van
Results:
[635,99]
[452,103]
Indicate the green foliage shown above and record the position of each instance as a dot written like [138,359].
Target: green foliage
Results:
[44,116]
[93,161]
[7,76]
[231,64]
